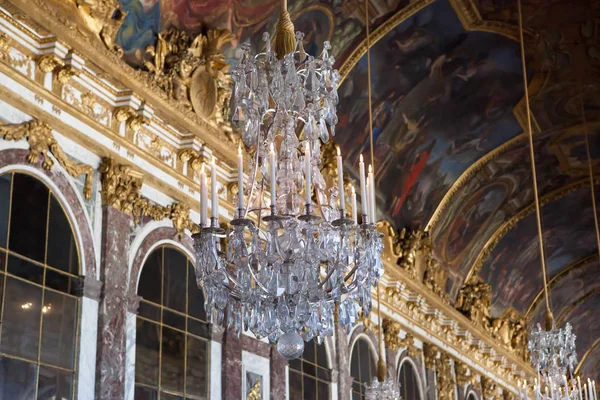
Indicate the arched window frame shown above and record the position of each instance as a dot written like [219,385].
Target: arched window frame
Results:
[408,361]
[75,277]
[160,245]
[373,370]
[318,369]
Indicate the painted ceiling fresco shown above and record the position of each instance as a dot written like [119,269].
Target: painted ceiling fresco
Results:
[445,101]
[563,221]
[579,277]
[450,102]
[341,22]
[590,367]
[502,188]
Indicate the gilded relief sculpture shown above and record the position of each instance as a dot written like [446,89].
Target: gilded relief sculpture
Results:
[475,301]
[103,18]
[42,142]
[193,71]
[121,189]
[445,382]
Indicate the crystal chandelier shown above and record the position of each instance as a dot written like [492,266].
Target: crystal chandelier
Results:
[554,358]
[289,261]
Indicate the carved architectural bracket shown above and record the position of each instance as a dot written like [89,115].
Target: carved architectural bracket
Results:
[121,189]
[41,142]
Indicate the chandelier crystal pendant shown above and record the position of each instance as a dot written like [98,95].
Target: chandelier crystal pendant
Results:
[554,357]
[287,263]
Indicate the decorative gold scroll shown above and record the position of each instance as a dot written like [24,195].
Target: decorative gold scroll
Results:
[121,187]
[41,142]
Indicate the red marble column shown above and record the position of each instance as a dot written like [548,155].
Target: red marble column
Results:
[231,378]
[114,303]
[278,375]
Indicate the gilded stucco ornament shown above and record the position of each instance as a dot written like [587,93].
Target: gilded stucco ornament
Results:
[430,353]
[49,62]
[392,340]
[489,389]
[475,302]
[41,142]
[445,381]
[511,331]
[103,18]
[193,71]
[121,189]
[464,375]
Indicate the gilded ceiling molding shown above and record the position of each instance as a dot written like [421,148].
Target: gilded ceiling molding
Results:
[411,9]
[470,173]
[565,314]
[98,49]
[41,142]
[575,265]
[512,222]
[471,20]
[121,187]
[586,354]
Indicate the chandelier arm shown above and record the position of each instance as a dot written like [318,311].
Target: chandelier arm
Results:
[254,175]
[549,316]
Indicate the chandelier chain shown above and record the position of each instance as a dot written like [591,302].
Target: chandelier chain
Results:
[549,316]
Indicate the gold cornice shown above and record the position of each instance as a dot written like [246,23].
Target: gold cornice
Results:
[41,142]
[575,265]
[390,298]
[586,354]
[468,174]
[67,30]
[118,141]
[512,222]
[577,302]
[379,33]
[121,189]
[471,20]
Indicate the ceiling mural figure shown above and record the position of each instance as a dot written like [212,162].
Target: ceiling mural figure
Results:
[450,102]
[568,227]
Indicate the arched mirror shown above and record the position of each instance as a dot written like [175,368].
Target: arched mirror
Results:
[310,375]
[363,367]
[409,384]
[172,348]
[39,275]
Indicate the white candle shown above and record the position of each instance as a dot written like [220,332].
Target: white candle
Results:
[590,396]
[579,387]
[594,390]
[353,201]
[307,172]
[366,207]
[240,178]
[341,181]
[213,189]
[372,194]
[363,189]
[203,198]
[273,175]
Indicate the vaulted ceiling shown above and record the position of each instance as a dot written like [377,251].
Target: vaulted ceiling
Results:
[451,147]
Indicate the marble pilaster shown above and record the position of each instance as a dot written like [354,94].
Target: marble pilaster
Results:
[114,304]
[278,375]
[231,370]
[86,374]
[342,353]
